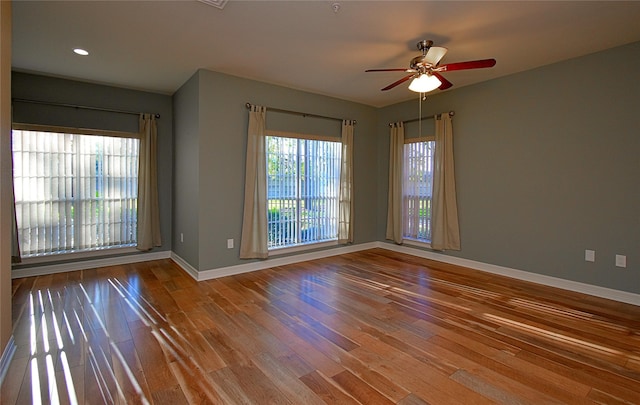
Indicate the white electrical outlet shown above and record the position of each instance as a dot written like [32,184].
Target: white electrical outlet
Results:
[590,255]
[621,261]
[229,243]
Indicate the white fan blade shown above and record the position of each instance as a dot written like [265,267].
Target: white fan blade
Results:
[434,55]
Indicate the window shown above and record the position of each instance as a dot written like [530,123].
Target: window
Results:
[417,190]
[303,178]
[74,192]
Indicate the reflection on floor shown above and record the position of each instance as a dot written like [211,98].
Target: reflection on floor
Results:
[368,327]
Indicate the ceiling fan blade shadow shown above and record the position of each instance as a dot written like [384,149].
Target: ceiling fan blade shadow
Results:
[394,84]
[445,83]
[472,64]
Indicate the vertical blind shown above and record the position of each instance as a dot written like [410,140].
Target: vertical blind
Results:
[417,189]
[74,192]
[303,178]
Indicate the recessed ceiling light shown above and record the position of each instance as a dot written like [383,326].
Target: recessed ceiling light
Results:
[81,51]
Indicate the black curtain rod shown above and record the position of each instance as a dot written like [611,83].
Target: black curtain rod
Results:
[83,107]
[248,105]
[451,114]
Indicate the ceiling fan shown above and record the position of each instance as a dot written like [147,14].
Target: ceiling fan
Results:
[426,71]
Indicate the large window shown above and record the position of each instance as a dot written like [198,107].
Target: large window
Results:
[303,178]
[417,190]
[74,192]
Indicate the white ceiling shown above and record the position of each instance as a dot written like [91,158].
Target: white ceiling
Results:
[158,45]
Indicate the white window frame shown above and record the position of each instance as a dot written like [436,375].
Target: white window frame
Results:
[78,252]
[304,245]
[414,192]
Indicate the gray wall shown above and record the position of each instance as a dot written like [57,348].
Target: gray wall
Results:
[186,172]
[221,155]
[547,165]
[43,88]
[546,160]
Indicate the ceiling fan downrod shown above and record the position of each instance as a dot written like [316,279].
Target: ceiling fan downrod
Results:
[424,46]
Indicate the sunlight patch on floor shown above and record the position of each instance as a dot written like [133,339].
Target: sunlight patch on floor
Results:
[555,336]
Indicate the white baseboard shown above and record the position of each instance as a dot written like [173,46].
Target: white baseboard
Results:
[88,264]
[185,266]
[7,356]
[268,263]
[603,292]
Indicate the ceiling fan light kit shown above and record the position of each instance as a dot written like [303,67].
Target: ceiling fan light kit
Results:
[425,83]
[425,69]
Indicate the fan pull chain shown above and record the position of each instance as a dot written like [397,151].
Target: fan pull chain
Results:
[420,115]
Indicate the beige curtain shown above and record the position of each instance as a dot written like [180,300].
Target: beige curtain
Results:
[148,210]
[345,209]
[445,232]
[253,242]
[15,238]
[394,206]
[15,241]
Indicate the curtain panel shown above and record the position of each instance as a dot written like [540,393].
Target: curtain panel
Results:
[15,238]
[394,205]
[253,241]
[345,210]
[445,233]
[148,208]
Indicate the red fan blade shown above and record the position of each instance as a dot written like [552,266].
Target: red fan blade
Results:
[445,83]
[473,64]
[389,70]
[394,84]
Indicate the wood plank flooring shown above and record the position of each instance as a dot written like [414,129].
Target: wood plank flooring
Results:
[372,327]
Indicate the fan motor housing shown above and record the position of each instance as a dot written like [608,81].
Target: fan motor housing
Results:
[418,61]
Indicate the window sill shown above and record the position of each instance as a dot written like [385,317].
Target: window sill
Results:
[73,256]
[417,243]
[301,248]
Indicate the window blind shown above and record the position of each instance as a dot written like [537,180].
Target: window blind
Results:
[417,189]
[303,177]
[74,192]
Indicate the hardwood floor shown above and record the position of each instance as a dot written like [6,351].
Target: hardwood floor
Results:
[372,327]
